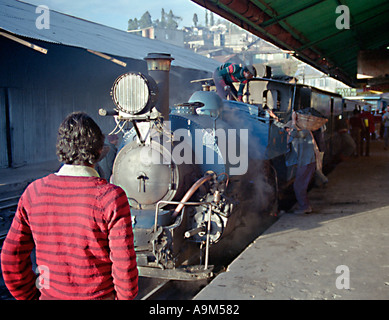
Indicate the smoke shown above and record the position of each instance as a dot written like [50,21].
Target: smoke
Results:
[181,87]
[255,190]
[255,212]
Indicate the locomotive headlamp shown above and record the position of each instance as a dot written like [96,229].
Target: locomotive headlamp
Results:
[134,93]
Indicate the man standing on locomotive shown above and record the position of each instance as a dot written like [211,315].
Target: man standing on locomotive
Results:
[227,74]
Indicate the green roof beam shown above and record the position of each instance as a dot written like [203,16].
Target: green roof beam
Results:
[287,15]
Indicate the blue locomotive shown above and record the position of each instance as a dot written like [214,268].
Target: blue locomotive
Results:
[203,177]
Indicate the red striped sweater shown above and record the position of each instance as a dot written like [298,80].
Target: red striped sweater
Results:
[81,229]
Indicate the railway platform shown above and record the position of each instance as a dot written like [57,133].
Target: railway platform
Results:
[338,252]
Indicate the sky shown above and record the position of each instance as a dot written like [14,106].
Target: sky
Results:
[116,13]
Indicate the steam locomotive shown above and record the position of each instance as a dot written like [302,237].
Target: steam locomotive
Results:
[203,178]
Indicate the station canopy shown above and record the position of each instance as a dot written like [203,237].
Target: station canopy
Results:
[327,34]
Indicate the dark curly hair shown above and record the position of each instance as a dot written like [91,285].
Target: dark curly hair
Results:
[79,140]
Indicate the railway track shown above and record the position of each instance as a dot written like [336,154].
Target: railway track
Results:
[8,205]
[9,202]
[159,289]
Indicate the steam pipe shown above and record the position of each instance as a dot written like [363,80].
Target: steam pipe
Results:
[190,192]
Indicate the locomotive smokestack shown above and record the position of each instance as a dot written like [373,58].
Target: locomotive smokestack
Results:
[158,65]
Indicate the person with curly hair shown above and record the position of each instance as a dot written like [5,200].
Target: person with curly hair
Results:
[78,223]
[79,140]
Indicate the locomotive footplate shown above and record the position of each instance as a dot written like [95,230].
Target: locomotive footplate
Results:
[189,273]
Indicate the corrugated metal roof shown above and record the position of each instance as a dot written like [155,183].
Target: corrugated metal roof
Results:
[19,18]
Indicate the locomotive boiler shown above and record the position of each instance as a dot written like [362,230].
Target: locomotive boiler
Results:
[202,178]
